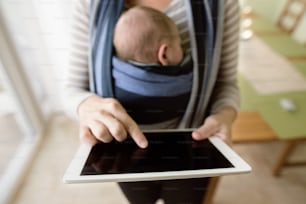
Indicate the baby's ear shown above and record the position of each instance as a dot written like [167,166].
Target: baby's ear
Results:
[162,54]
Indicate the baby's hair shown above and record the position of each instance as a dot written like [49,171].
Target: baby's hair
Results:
[139,31]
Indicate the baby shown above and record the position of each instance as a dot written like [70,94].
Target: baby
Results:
[147,36]
[152,78]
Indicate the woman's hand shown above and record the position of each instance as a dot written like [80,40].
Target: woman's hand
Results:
[218,124]
[102,119]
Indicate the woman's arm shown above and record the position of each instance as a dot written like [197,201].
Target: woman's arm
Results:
[101,119]
[226,98]
[77,78]
[226,92]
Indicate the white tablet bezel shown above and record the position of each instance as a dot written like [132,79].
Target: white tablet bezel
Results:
[73,173]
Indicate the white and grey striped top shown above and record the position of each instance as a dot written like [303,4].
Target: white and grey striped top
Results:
[226,92]
[177,12]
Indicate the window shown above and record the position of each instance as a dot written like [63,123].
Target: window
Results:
[21,118]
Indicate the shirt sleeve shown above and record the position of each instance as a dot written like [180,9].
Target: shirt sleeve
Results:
[76,86]
[226,91]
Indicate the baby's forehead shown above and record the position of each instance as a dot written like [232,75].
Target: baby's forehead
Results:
[139,11]
[148,19]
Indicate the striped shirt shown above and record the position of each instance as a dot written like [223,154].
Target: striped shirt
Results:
[226,92]
[177,12]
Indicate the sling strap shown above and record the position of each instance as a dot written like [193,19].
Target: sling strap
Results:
[104,15]
[207,15]
[153,93]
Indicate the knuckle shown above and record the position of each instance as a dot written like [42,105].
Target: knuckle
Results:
[104,138]
[86,137]
[116,132]
[101,113]
[102,134]
[212,122]
[119,133]
[114,105]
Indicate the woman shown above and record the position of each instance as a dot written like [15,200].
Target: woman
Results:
[104,119]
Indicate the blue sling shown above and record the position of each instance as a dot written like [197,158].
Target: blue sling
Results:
[207,18]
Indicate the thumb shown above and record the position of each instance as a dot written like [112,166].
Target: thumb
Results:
[204,132]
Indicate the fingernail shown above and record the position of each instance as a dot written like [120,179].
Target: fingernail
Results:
[143,144]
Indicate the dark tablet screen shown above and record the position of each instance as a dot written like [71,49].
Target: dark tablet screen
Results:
[167,151]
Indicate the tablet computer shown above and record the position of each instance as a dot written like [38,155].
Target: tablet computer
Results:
[171,154]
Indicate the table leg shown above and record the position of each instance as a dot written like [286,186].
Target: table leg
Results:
[283,159]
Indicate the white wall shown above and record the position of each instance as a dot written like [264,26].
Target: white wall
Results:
[55,22]
[41,29]
[271,9]
[268,9]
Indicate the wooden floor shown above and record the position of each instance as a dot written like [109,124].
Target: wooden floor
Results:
[10,139]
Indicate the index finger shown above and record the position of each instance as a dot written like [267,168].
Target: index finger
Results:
[136,134]
[132,128]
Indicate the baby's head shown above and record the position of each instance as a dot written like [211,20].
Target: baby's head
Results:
[147,35]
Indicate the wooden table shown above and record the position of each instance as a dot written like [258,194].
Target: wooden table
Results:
[250,127]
